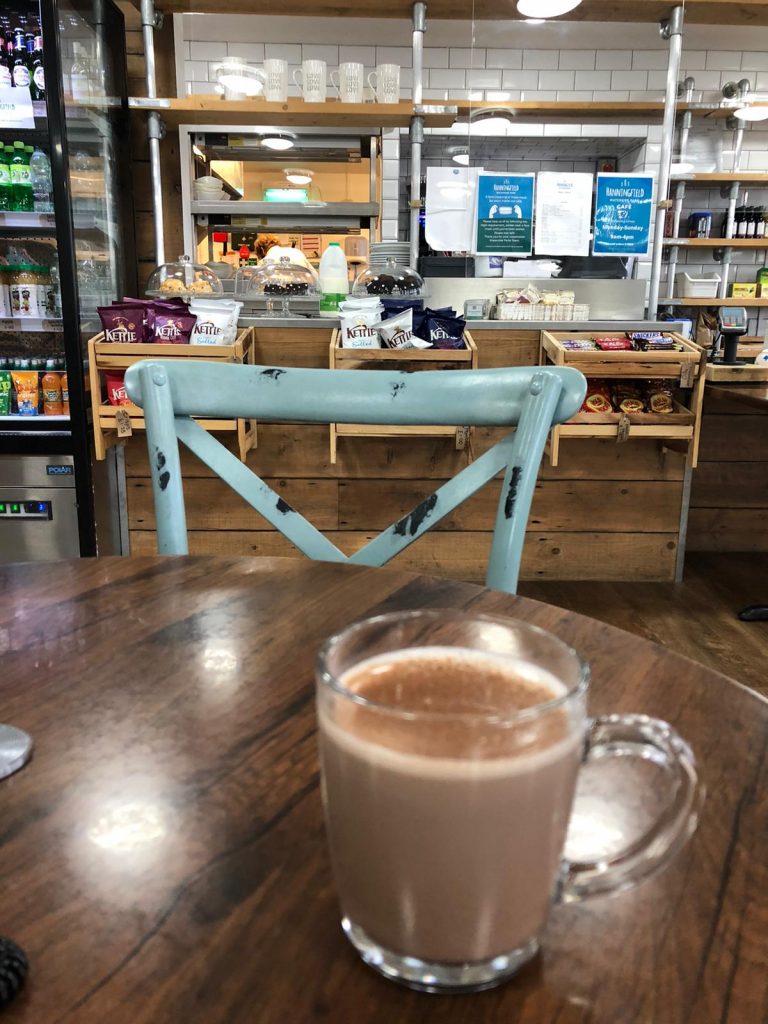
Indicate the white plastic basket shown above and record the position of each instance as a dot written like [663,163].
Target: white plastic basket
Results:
[704,287]
[538,311]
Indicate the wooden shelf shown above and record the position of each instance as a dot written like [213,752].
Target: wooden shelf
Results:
[103,357]
[332,114]
[566,109]
[719,243]
[752,303]
[743,177]
[701,12]
[413,359]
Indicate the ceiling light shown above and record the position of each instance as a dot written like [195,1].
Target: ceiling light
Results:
[751,113]
[492,121]
[461,158]
[278,140]
[238,78]
[540,9]
[298,175]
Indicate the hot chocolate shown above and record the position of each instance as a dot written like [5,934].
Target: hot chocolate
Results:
[447,805]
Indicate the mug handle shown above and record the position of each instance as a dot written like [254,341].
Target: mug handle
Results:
[649,739]
[336,84]
[372,81]
[296,73]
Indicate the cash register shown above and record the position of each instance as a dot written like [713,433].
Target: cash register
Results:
[732,325]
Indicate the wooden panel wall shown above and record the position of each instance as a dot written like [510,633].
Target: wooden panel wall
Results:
[169,150]
[607,512]
[729,497]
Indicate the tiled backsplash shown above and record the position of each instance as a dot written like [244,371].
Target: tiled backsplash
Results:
[559,61]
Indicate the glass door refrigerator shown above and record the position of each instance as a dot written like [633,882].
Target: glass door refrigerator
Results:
[66,247]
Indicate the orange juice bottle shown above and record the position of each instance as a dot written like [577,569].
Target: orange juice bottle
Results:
[64,394]
[51,388]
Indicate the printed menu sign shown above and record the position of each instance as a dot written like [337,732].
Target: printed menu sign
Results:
[563,214]
[504,219]
[16,109]
[623,212]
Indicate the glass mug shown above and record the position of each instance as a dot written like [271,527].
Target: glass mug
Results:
[276,80]
[349,82]
[313,80]
[385,82]
[450,748]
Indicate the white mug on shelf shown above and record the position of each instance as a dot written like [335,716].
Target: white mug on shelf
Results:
[276,84]
[313,80]
[349,82]
[385,81]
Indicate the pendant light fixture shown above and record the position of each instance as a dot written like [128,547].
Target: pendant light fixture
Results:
[540,9]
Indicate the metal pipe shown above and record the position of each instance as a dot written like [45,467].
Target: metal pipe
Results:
[417,139]
[375,225]
[417,126]
[673,31]
[725,273]
[685,89]
[674,254]
[149,23]
[419,27]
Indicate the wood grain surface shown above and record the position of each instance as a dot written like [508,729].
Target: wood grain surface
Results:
[162,858]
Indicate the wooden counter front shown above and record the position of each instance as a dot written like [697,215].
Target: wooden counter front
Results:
[608,511]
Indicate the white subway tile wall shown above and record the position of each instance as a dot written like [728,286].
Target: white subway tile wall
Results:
[495,73]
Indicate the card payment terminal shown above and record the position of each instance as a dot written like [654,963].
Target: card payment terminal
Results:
[732,321]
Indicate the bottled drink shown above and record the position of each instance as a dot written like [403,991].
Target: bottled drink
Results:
[6,76]
[80,75]
[20,67]
[760,222]
[37,81]
[5,180]
[21,187]
[64,395]
[51,388]
[41,181]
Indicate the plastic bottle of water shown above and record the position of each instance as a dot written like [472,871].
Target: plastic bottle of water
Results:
[41,181]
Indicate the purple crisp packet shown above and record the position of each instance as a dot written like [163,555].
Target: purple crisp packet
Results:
[446,332]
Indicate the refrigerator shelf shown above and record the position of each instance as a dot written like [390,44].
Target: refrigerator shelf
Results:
[30,324]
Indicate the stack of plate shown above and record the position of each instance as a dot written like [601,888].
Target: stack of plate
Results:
[381,252]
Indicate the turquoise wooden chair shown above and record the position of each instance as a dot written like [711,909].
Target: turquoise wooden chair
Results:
[530,399]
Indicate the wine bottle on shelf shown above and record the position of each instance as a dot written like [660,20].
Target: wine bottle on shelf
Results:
[6,74]
[751,222]
[20,66]
[760,222]
[37,80]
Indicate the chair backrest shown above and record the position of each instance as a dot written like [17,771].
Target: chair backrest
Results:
[530,399]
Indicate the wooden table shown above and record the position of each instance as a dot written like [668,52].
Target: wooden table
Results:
[162,858]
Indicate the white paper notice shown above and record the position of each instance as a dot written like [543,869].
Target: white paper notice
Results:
[563,214]
[449,214]
[16,110]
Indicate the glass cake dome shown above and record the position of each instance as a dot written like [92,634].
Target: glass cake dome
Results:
[389,279]
[184,279]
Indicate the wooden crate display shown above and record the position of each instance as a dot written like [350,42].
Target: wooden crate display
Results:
[400,359]
[112,423]
[684,368]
